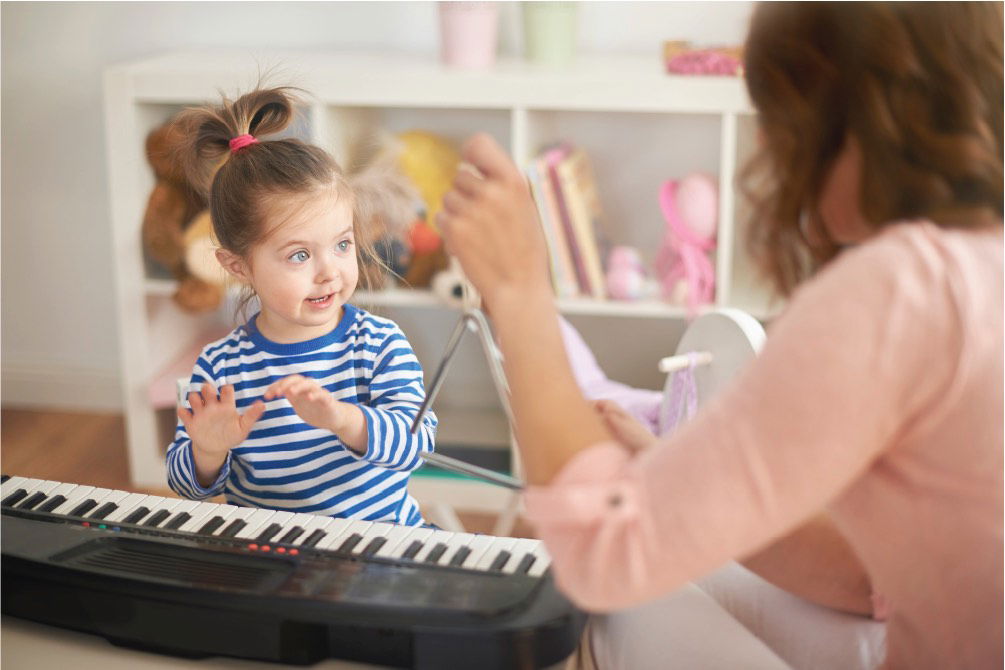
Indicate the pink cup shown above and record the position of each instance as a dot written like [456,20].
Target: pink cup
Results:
[469,33]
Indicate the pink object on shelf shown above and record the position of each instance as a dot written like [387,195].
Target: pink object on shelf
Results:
[163,389]
[704,62]
[469,33]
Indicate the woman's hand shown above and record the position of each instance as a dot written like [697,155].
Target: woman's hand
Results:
[625,428]
[489,222]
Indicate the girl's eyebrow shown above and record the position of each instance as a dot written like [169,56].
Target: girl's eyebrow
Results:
[302,243]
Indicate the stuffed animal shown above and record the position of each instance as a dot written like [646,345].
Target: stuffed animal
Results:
[685,272]
[171,207]
[626,277]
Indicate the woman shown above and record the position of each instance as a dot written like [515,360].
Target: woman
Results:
[878,396]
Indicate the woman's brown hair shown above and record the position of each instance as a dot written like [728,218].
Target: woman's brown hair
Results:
[918,85]
[239,184]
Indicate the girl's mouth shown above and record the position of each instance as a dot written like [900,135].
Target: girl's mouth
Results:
[323,301]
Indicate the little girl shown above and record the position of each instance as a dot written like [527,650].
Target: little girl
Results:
[307,406]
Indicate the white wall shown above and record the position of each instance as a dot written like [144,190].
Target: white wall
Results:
[59,346]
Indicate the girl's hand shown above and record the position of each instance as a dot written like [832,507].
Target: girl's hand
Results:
[312,403]
[490,223]
[214,423]
[625,428]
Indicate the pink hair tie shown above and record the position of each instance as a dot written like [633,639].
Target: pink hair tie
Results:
[242,141]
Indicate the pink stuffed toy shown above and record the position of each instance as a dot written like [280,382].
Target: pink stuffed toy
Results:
[685,272]
[626,276]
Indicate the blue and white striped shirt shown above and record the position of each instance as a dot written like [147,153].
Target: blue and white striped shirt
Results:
[287,464]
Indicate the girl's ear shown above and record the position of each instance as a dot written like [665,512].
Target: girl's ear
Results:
[233,264]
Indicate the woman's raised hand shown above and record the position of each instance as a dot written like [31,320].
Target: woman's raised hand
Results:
[489,222]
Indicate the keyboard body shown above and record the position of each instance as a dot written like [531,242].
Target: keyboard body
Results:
[368,592]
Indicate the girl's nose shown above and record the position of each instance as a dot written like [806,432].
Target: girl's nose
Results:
[326,270]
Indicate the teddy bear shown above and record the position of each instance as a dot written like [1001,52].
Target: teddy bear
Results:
[172,206]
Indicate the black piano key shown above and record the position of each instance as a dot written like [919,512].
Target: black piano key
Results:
[525,564]
[436,552]
[268,533]
[52,503]
[291,534]
[157,517]
[211,525]
[32,501]
[136,515]
[459,557]
[104,510]
[233,528]
[83,508]
[375,544]
[412,550]
[178,521]
[350,542]
[500,561]
[13,498]
[4,478]
[314,538]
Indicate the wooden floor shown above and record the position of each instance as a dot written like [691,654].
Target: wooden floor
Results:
[86,448]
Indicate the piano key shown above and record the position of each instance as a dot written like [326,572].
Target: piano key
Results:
[15,483]
[491,555]
[37,494]
[455,542]
[522,548]
[270,532]
[417,538]
[373,545]
[83,508]
[14,497]
[458,558]
[478,545]
[398,541]
[200,514]
[350,542]
[435,538]
[60,490]
[4,478]
[256,520]
[231,529]
[291,534]
[215,522]
[73,498]
[542,563]
[103,510]
[137,514]
[500,560]
[52,503]
[126,506]
[339,530]
[156,519]
[525,563]
[180,512]
[313,530]
[435,553]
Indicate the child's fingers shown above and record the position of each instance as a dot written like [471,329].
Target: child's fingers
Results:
[227,394]
[185,416]
[251,415]
[281,387]
[485,154]
[468,183]
[195,400]
[208,393]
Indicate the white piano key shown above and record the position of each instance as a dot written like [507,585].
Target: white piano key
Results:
[418,535]
[43,486]
[454,543]
[542,563]
[501,544]
[400,536]
[521,548]
[61,490]
[201,513]
[256,521]
[239,513]
[111,497]
[333,529]
[309,526]
[334,540]
[15,483]
[74,498]
[378,529]
[478,545]
[430,543]
[129,504]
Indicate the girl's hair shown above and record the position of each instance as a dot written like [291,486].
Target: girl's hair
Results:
[918,85]
[240,184]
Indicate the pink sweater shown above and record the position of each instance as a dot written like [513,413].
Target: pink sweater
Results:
[878,397]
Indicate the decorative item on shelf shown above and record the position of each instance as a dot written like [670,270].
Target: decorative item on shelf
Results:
[680,57]
[171,208]
[683,266]
[200,245]
[469,34]
[549,32]
[626,277]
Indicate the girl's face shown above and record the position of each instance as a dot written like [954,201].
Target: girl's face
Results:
[304,268]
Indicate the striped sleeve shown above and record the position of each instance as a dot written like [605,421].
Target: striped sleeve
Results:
[180,460]
[396,392]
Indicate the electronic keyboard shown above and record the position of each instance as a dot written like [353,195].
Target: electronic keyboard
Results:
[198,579]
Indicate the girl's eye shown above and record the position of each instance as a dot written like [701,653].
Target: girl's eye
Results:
[344,245]
[299,256]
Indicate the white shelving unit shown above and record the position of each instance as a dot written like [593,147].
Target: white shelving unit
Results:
[639,125]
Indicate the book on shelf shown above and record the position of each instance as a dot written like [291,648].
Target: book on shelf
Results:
[563,274]
[552,158]
[582,203]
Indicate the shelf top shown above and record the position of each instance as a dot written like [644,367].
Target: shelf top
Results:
[600,82]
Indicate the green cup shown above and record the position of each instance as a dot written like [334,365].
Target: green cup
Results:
[549,30]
